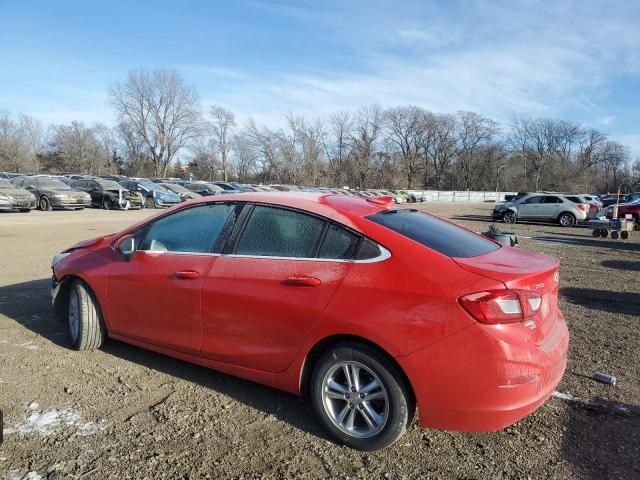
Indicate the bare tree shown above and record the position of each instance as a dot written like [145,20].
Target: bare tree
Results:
[443,147]
[473,131]
[222,121]
[365,134]
[161,109]
[34,132]
[403,126]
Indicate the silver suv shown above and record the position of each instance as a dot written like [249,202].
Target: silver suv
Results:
[541,206]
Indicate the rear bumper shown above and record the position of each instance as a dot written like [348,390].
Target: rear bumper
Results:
[477,381]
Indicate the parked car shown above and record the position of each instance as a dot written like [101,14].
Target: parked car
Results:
[233,187]
[109,194]
[390,309]
[13,197]
[538,206]
[183,192]
[584,204]
[204,189]
[155,196]
[511,198]
[51,192]
[117,178]
[632,208]
[166,180]
[609,200]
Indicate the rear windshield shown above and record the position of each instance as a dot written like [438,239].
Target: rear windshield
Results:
[434,233]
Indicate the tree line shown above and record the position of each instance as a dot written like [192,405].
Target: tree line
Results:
[162,130]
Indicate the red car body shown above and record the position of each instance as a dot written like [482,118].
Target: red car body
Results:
[238,314]
[625,209]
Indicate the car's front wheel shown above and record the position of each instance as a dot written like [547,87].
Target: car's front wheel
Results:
[361,397]
[509,217]
[149,203]
[45,204]
[106,203]
[86,327]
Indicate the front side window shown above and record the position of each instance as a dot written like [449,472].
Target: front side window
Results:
[278,232]
[192,230]
[531,200]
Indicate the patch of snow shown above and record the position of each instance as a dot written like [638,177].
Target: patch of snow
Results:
[29,345]
[33,406]
[49,421]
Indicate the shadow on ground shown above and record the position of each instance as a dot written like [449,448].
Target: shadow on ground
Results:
[626,303]
[28,304]
[581,240]
[490,219]
[615,453]
[628,265]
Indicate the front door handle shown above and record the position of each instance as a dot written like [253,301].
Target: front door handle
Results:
[187,275]
[302,282]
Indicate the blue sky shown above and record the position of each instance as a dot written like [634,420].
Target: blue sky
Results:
[573,60]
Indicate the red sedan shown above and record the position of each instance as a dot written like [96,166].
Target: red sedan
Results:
[368,309]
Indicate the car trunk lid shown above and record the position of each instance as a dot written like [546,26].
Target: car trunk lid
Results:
[520,269]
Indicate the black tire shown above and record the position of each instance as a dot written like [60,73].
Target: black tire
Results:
[614,235]
[44,204]
[604,233]
[509,217]
[106,203]
[149,203]
[25,210]
[401,404]
[566,219]
[84,318]
[624,235]
[595,233]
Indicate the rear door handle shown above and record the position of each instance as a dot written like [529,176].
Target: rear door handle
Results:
[187,275]
[302,282]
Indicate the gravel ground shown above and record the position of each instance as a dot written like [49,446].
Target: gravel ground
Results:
[123,412]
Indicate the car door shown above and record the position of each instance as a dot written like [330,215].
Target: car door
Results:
[95,191]
[530,207]
[154,295]
[263,297]
[550,207]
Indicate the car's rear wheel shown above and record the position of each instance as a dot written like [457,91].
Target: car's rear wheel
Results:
[86,327]
[566,220]
[106,203]
[45,204]
[509,217]
[149,203]
[360,397]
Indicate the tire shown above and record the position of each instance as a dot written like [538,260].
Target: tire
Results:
[86,327]
[509,217]
[595,233]
[566,220]
[624,235]
[149,203]
[44,204]
[106,203]
[614,235]
[388,416]
[604,233]
[25,210]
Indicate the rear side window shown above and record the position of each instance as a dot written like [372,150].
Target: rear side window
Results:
[338,244]
[537,199]
[434,233]
[277,232]
[192,230]
[575,199]
[550,199]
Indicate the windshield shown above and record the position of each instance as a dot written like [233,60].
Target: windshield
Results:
[149,185]
[435,233]
[109,184]
[6,183]
[175,188]
[50,182]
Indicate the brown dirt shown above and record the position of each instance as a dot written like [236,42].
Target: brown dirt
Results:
[128,413]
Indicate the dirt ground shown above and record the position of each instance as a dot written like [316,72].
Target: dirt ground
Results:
[126,413]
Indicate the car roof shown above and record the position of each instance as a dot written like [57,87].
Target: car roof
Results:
[340,208]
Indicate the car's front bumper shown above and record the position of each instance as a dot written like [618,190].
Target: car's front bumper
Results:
[18,205]
[70,203]
[165,203]
[476,381]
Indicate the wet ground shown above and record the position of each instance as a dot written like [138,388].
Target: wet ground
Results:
[123,412]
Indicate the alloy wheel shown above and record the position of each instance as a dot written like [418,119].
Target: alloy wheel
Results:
[74,316]
[355,399]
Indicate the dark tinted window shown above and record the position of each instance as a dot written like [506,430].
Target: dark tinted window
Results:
[192,230]
[277,232]
[537,199]
[368,250]
[338,244]
[575,199]
[550,199]
[434,233]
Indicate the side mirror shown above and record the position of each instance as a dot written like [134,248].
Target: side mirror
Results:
[126,245]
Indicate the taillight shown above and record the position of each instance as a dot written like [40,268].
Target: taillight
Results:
[583,207]
[502,306]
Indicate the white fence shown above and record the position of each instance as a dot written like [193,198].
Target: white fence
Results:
[460,196]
